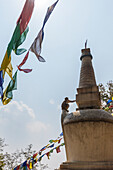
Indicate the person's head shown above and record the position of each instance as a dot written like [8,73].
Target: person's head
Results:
[66,99]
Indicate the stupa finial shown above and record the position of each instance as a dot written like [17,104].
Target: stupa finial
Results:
[86,44]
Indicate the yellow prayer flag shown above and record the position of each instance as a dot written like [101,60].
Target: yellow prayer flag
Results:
[5,100]
[6,66]
[30,166]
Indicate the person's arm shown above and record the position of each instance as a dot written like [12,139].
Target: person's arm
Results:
[71,101]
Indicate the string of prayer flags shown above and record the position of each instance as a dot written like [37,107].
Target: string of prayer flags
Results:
[36,46]
[109,101]
[16,40]
[37,43]
[8,95]
[31,161]
[18,37]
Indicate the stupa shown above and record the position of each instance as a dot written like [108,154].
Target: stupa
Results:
[88,132]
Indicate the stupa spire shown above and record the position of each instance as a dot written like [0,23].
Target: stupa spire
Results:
[88,94]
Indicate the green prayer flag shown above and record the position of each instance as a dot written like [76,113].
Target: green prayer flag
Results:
[51,141]
[12,86]
[51,151]
[17,39]
[20,51]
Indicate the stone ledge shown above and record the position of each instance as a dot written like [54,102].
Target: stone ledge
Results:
[87,115]
[80,165]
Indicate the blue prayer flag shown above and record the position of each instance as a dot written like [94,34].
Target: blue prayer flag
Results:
[1,83]
[109,101]
[61,134]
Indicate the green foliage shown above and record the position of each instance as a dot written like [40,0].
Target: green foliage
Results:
[106,93]
[9,161]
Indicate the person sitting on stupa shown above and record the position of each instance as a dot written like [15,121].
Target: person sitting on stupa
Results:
[65,104]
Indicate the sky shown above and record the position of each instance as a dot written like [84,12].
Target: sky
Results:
[34,114]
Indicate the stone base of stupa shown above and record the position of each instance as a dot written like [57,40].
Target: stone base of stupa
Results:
[88,137]
[86,165]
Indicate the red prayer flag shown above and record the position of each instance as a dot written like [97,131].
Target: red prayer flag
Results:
[48,154]
[22,63]
[18,167]
[58,149]
[111,106]
[25,15]
[59,140]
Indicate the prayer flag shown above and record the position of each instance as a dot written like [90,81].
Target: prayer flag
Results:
[49,11]
[106,109]
[59,140]
[58,149]
[36,45]
[111,106]
[43,148]
[51,146]
[62,144]
[61,134]
[109,101]
[1,83]
[48,154]
[18,37]
[22,63]
[25,15]
[51,151]
[8,95]
[6,65]
[30,165]
[16,41]
[35,155]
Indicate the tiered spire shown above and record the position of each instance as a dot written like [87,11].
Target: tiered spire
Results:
[88,96]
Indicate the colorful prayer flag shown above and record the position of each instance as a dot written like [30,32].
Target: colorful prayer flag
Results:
[1,83]
[58,149]
[25,15]
[51,146]
[111,106]
[16,40]
[109,101]
[59,140]
[18,37]
[22,63]
[61,134]
[48,154]
[49,11]
[8,95]
[36,46]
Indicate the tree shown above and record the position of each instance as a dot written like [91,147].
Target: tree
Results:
[2,156]
[9,161]
[106,93]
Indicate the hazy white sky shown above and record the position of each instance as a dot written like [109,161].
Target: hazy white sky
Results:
[33,116]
